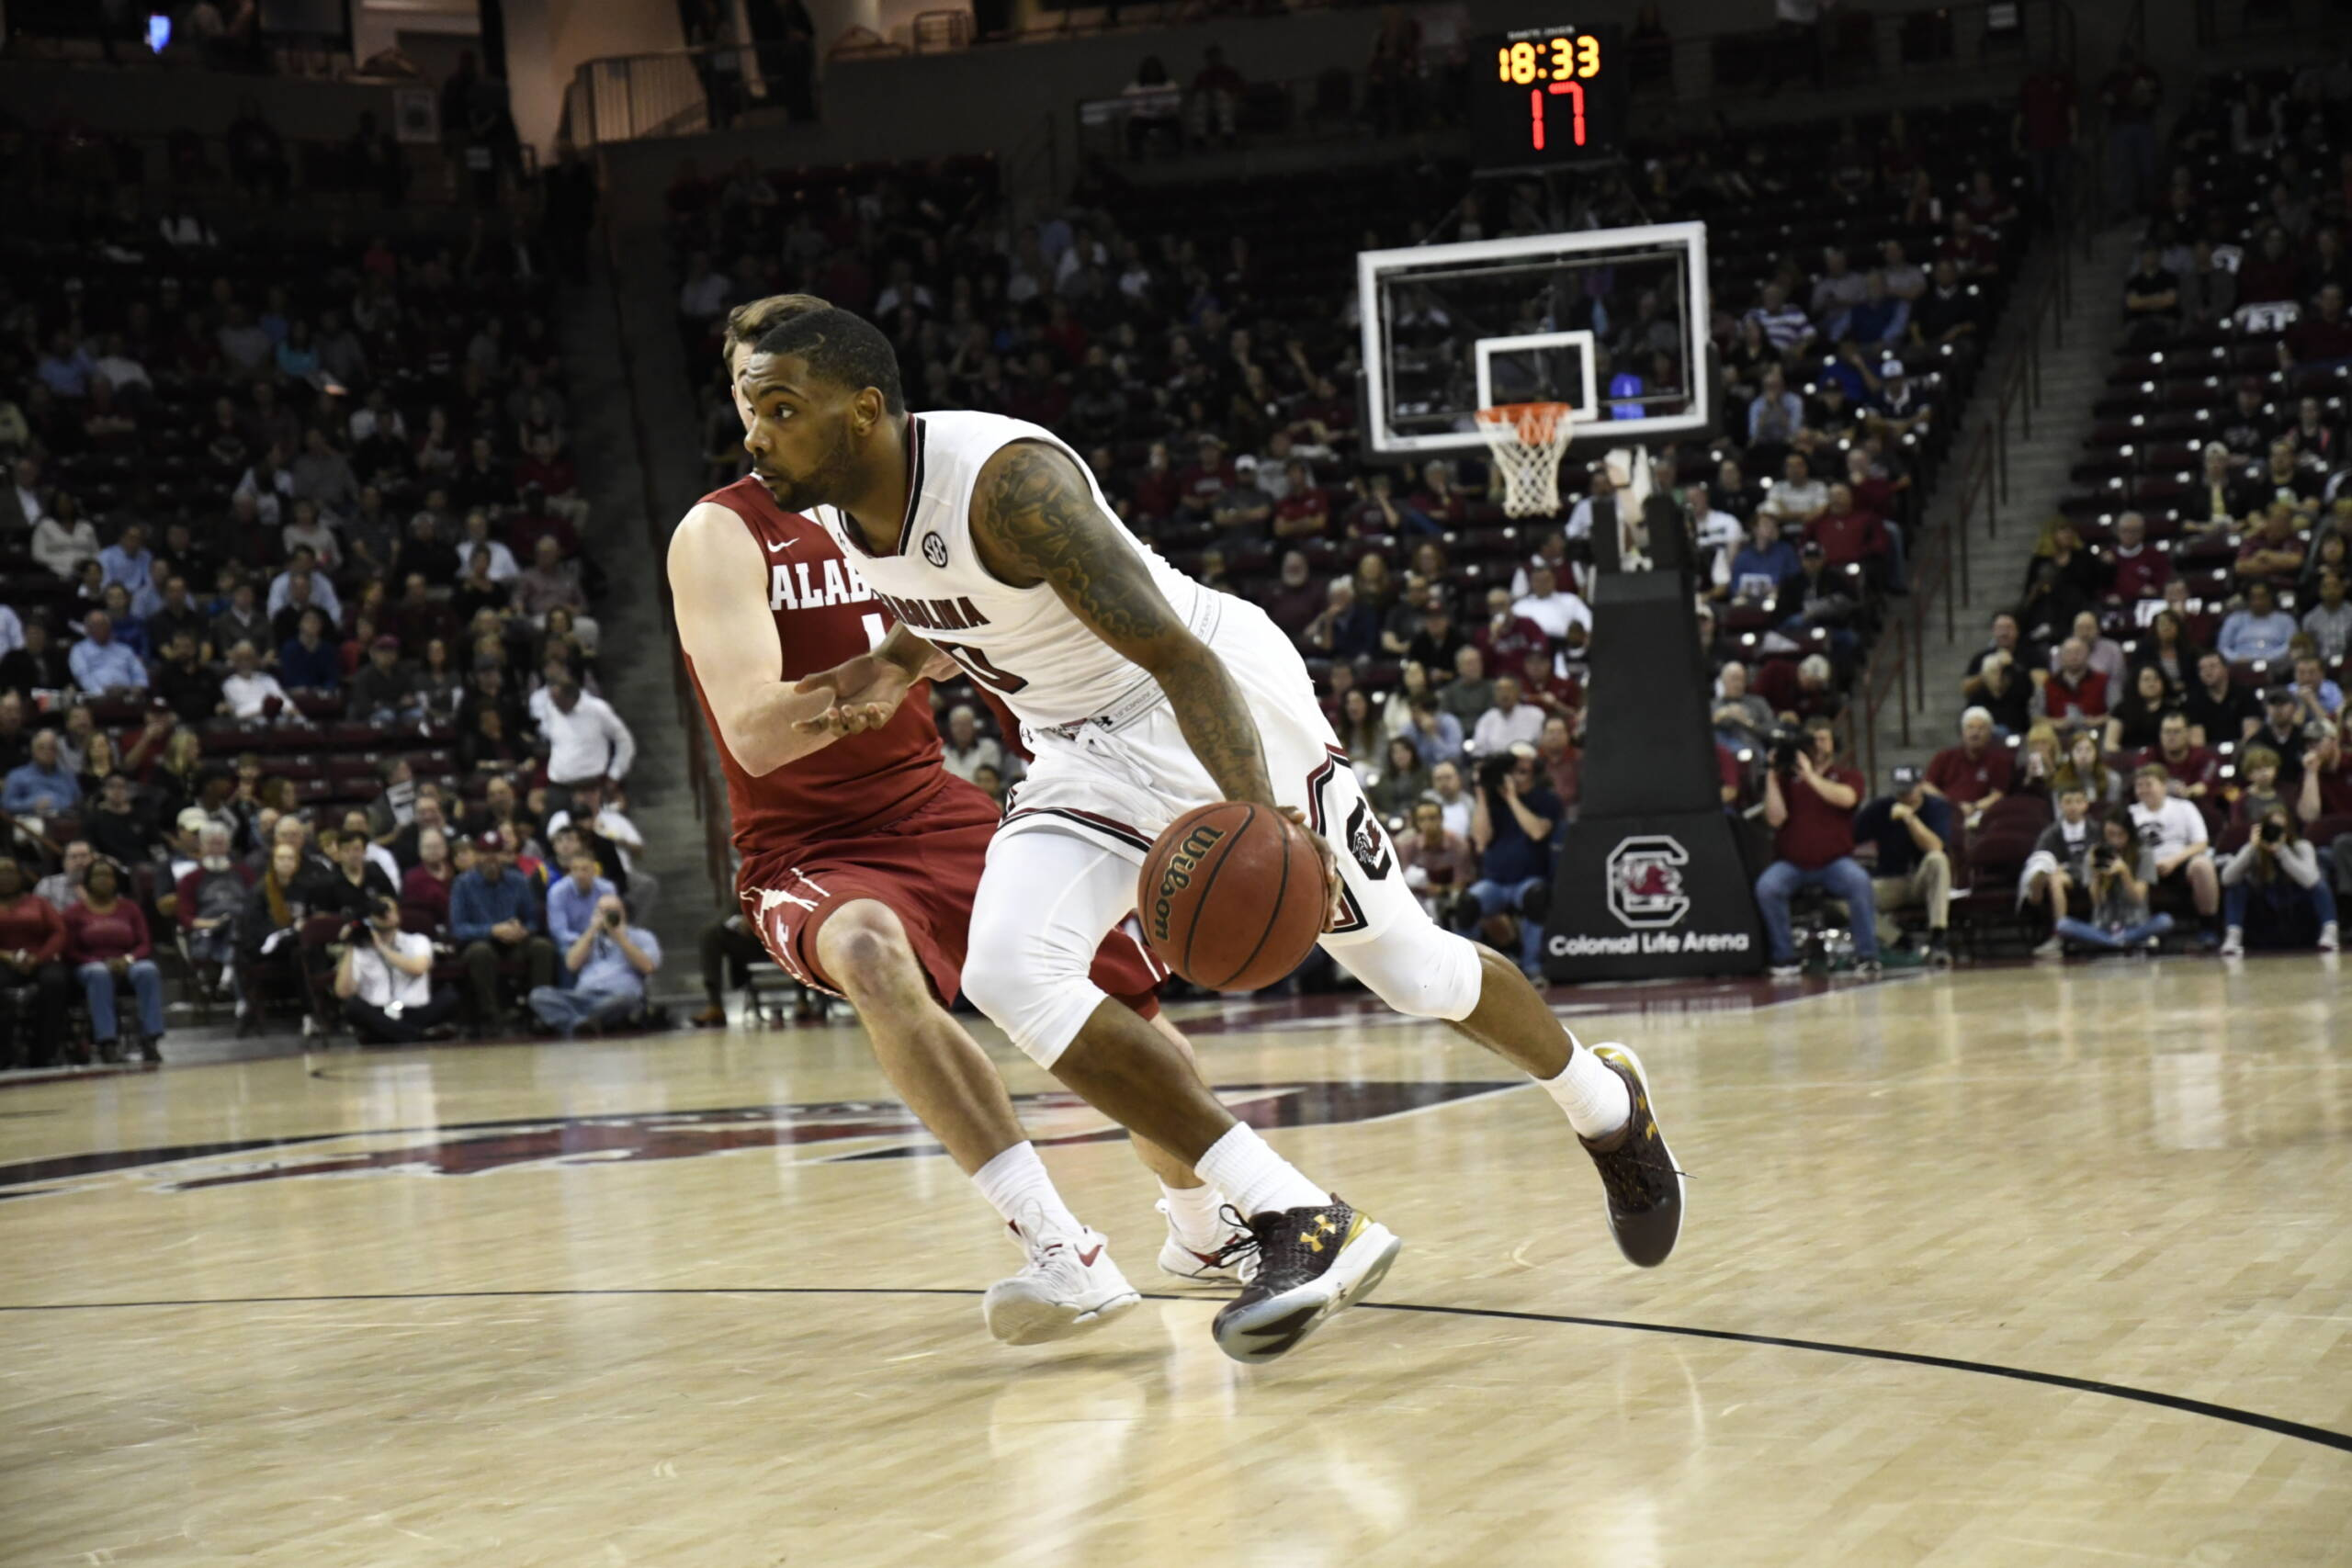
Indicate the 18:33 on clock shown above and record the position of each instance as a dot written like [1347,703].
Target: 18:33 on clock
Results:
[1543,98]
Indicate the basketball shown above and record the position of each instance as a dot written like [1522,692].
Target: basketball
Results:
[1231,896]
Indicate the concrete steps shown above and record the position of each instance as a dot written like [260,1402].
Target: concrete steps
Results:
[634,642]
[2000,547]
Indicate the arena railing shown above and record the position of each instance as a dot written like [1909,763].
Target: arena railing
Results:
[1895,675]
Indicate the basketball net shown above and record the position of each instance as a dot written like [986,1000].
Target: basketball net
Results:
[1527,440]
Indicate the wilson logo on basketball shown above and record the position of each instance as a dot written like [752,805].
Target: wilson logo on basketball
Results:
[1179,873]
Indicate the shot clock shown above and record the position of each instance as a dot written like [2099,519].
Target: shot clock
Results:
[1547,97]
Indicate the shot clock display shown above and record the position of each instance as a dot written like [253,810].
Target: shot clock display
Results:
[1543,98]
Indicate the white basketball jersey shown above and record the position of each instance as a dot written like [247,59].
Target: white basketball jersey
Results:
[1021,643]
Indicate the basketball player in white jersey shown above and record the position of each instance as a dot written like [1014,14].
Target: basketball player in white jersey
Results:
[885,850]
[1142,695]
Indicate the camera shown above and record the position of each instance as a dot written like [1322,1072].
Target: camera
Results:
[612,920]
[2105,858]
[2271,832]
[1494,770]
[1785,745]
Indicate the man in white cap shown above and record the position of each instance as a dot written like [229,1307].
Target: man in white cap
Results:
[1900,409]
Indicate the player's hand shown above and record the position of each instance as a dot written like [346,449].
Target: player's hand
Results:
[865,689]
[1324,852]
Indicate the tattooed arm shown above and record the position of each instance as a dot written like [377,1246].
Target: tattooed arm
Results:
[1033,520]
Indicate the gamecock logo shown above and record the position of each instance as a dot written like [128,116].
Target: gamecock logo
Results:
[1646,882]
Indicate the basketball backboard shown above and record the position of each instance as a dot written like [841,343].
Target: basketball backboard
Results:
[1451,329]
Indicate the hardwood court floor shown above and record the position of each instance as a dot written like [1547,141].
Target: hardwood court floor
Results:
[523,1305]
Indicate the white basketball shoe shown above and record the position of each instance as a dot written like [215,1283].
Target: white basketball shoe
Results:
[1231,1262]
[1068,1286]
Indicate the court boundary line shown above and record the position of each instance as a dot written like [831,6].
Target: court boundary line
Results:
[2322,1436]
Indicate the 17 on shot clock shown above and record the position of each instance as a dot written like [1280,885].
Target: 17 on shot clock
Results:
[1547,97]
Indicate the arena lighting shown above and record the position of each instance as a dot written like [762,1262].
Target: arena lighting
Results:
[159,33]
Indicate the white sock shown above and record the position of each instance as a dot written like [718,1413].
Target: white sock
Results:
[1194,1212]
[1254,1177]
[1591,1093]
[1015,1183]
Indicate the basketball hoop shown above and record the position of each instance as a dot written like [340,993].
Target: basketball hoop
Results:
[1527,440]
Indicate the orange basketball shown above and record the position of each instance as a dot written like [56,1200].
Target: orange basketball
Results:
[1231,896]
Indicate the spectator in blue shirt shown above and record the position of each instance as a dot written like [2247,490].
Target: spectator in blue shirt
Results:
[1775,413]
[610,961]
[67,367]
[1915,833]
[1880,321]
[43,786]
[128,560]
[308,661]
[128,629]
[573,898]
[494,915]
[2260,630]
[1762,565]
[1513,813]
[100,665]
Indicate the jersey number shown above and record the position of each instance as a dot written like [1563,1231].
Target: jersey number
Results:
[976,665]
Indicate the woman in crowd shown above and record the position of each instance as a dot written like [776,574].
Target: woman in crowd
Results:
[2169,649]
[2273,894]
[440,682]
[487,748]
[2133,723]
[1402,779]
[106,940]
[1397,713]
[1360,735]
[476,592]
[560,633]
[36,988]
[2038,760]
[272,934]
[98,763]
[2085,770]
[64,539]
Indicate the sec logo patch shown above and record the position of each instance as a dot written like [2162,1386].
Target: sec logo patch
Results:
[935,549]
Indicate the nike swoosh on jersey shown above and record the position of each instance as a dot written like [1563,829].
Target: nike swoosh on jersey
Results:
[779,550]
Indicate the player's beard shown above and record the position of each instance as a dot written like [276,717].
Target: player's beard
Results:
[822,485]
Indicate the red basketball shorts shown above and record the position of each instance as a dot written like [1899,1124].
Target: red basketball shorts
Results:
[923,868]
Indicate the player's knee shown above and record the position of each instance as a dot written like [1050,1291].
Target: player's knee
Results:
[1038,996]
[865,953]
[1437,974]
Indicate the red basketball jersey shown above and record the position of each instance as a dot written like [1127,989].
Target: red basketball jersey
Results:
[824,614]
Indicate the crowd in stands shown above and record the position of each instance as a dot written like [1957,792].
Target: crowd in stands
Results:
[298,651]
[2154,735]
[1198,347]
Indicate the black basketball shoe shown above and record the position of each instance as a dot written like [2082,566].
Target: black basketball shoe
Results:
[1311,1264]
[1644,1184]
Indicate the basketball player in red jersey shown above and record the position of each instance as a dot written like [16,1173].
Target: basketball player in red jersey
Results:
[859,857]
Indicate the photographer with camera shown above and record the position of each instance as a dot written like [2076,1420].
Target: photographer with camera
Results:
[610,961]
[2273,895]
[385,981]
[1512,814]
[2121,869]
[1809,803]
